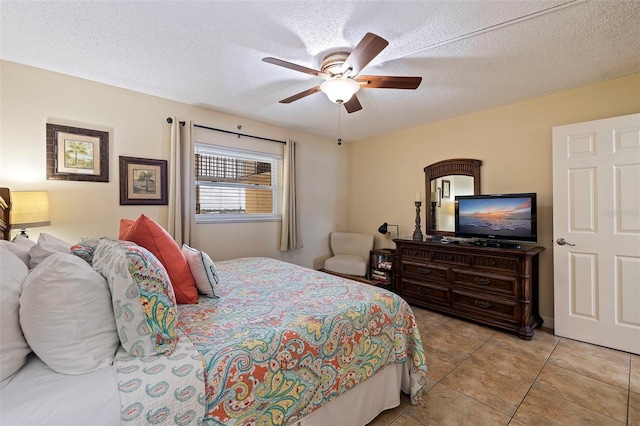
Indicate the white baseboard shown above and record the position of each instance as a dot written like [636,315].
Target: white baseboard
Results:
[548,322]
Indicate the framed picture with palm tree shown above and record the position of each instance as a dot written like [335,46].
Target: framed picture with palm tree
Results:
[143,181]
[77,154]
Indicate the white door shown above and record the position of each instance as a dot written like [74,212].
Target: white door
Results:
[596,232]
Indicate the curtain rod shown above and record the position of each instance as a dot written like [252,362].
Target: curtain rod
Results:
[170,120]
[239,134]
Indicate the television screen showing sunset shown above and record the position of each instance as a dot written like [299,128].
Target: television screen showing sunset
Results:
[498,216]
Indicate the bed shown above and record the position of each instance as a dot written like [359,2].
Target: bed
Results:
[278,344]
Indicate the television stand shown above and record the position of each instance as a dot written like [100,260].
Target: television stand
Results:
[492,286]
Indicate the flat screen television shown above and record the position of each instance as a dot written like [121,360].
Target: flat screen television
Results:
[497,217]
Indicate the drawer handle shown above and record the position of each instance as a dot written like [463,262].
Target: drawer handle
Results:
[424,271]
[482,304]
[424,290]
[482,281]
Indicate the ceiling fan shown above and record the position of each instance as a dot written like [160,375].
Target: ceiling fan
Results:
[341,70]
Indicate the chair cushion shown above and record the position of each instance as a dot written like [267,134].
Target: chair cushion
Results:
[351,243]
[347,264]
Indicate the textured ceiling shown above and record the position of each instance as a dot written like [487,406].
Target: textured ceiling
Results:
[472,55]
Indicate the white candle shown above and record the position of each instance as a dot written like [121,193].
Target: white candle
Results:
[418,196]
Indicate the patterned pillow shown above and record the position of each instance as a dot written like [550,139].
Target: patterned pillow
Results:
[142,297]
[203,270]
[85,249]
[147,233]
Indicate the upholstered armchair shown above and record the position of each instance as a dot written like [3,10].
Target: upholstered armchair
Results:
[350,253]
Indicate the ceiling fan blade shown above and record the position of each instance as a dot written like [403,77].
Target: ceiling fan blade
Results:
[368,48]
[353,104]
[388,82]
[295,67]
[300,95]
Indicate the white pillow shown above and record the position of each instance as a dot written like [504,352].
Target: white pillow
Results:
[66,315]
[203,270]
[13,347]
[24,241]
[20,247]
[47,245]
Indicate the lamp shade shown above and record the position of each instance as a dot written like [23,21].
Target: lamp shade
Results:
[383,228]
[30,209]
[339,89]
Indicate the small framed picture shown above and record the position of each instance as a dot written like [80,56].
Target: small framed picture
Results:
[77,154]
[446,188]
[143,181]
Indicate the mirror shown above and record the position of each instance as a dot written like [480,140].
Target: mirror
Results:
[443,181]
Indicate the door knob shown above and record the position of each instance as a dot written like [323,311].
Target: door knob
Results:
[563,242]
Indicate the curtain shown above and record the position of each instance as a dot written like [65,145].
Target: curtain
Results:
[290,238]
[181,214]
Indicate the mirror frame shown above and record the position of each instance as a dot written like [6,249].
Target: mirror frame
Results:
[455,166]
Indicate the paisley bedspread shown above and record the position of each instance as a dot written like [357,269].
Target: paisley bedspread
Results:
[161,389]
[283,340]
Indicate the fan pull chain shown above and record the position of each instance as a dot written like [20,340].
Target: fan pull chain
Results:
[339,138]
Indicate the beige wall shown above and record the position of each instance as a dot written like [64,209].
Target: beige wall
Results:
[513,142]
[30,97]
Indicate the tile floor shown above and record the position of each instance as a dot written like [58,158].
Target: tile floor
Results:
[482,376]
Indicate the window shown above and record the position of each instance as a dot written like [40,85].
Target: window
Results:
[236,185]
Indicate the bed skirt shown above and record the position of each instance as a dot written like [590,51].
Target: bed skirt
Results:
[363,403]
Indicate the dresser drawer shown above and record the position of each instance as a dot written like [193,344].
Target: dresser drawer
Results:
[423,293]
[485,305]
[415,252]
[425,271]
[451,257]
[496,263]
[499,284]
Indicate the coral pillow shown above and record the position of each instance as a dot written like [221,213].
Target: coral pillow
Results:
[125,227]
[149,234]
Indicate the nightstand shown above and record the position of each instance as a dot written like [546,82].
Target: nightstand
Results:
[381,268]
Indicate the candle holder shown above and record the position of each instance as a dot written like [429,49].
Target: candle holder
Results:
[417,233]
[433,215]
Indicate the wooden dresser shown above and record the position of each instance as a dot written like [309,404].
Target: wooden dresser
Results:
[492,286]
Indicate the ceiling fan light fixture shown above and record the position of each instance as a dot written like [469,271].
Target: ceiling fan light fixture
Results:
[340,69]
[339,90]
